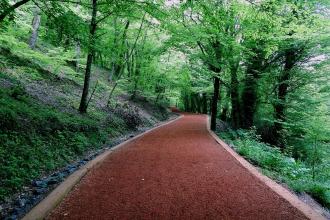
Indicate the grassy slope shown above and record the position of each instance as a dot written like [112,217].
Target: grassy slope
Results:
[40,129]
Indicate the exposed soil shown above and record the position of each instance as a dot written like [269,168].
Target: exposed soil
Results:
[175,172]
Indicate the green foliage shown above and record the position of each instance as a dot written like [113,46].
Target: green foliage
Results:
[36,138]
[297,174]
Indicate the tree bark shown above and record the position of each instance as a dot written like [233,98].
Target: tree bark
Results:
[78,51]
[204,100]
[214,108]
[9,10]
[91,51]
[282,93]
[249,95]
[235,104]
[35,27]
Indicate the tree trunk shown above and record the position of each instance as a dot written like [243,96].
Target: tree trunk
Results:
[249,96]
[114,54]
[78,51]
[91,50]
[214,108]
[186,103]
[223,115]
[199,102]
[282,93]
[12,8]
[122,51]
[35,27]
[204,100]
[235,104]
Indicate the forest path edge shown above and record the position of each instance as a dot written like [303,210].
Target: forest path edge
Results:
[54,198]
[59,193]
[307,210]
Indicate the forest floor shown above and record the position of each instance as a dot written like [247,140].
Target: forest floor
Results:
[177,171]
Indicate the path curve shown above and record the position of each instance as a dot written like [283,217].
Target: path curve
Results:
[177,171]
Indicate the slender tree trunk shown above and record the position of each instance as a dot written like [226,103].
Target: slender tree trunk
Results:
[12,8]
[91,51]
[122,51]
[200,103]
[204,100]
[129,61]
[186,103]
[113,54]
[235,104]
[78,51]
[214,108]
[35,27]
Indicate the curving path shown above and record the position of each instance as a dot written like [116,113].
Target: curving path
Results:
[177,171]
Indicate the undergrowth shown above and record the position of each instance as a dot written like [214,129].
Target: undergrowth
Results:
[36,138]
[298,175]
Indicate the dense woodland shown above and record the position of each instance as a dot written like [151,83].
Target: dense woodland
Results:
[258,68]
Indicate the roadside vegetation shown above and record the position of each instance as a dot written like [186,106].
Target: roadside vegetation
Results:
[311,176]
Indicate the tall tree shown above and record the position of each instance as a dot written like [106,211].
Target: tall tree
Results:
[91,52]
[35,27]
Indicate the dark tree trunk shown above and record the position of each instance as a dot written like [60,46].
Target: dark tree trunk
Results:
[186,103]
[12,8]
[91,51]
[249,96]
[224,112]
[235,104]
[282,93]
[214,108]
[192,103]
[216,84]
[204,100]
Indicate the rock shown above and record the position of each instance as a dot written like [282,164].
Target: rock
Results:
[39,191]
[19,212]
[52,180]
[71,170]
[82,162]
[54,175]
[39,183]
[12,217]
[21,202]
[72,166]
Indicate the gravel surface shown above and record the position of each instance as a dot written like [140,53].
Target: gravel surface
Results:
[177,171]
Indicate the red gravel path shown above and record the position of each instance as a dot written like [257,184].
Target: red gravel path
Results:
[175,172]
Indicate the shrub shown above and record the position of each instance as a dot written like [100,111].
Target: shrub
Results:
[130,114]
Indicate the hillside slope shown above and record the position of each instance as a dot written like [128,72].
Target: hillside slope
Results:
[41,129]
